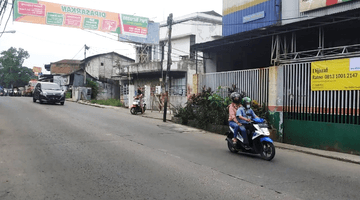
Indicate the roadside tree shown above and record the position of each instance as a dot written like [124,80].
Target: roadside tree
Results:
[12,73]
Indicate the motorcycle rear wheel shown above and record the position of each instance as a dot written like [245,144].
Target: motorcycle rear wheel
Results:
[231,147]
[267,151]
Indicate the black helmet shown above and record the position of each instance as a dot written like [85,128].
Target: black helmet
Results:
[235,97]
[245,101]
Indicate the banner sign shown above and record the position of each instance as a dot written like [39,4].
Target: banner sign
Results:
[132,25]
[306,5]
[40,12]
[37,69]
[152,35]
[341,74]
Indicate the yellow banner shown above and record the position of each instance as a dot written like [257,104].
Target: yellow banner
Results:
[341,74]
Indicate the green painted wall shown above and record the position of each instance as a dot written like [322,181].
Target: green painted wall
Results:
[275,119]
[323,135]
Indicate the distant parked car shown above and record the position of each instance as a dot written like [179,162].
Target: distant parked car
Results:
[49,93]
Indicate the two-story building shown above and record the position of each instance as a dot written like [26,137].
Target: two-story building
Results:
[150,67]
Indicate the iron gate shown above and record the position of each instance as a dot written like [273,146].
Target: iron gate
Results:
[254,82]
[321,119]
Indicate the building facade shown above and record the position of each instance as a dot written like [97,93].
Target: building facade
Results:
[310,37]
[150,67]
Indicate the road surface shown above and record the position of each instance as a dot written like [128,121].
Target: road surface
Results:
[82,152]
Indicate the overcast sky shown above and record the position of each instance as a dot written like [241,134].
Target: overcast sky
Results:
[47,44]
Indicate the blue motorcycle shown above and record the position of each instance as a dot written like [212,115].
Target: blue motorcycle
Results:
[259,142]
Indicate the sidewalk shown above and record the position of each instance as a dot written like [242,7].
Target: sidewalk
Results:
[327,154]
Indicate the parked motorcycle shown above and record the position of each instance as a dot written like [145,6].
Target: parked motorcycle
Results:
[136,107]
[259,143]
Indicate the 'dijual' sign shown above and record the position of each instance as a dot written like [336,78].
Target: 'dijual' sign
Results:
[339,74]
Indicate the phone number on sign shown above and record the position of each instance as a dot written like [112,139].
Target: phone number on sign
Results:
[339,76]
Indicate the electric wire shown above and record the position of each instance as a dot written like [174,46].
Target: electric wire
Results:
[78,53]
[7,19]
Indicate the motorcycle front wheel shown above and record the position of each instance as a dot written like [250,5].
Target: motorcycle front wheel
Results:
[231,147]
[133,111]
[267,150]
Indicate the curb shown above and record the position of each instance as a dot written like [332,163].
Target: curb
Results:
[321,153]
[350,158]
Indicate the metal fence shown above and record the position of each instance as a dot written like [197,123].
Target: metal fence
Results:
[300,103]
[254,82]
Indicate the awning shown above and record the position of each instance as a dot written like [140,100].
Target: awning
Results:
[277,29]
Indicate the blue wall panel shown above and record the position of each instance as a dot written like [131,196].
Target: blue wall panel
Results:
[233,22]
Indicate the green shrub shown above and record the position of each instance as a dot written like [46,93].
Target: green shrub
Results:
[209,107]
[68,94]
[108,102]
[94,88]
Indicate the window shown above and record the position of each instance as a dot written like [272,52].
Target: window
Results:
[178,86]
[102,64]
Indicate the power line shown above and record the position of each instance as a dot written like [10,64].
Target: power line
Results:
[77,53]
[8,19]
[3,9]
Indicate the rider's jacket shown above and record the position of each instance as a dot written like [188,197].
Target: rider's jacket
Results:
[247,113]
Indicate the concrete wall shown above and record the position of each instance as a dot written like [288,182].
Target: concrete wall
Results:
[80,93]
[62,81]
[210,63]
[276,82]
[184,66]
[177,101]
[103,66]
[108,91]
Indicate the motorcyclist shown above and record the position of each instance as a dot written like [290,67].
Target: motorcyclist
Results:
[245,114]
[140,97]
[233,107]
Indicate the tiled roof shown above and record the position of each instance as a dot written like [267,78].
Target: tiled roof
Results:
[63,70]
[67,61]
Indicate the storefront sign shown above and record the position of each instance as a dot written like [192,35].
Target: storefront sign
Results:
[341,74]
[254,17]
[306,5]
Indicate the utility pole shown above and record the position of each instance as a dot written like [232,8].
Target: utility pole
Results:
[169,23]
[162,44]
[85,48]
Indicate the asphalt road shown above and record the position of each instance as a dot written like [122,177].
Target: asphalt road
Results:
[82,152]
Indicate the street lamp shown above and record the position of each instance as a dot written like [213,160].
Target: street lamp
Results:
[13,31]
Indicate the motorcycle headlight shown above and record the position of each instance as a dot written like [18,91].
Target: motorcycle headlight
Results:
[265,130]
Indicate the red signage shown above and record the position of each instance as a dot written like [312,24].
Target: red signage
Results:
[33,9]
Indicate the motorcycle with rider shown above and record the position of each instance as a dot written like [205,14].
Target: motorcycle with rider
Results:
[247,132]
